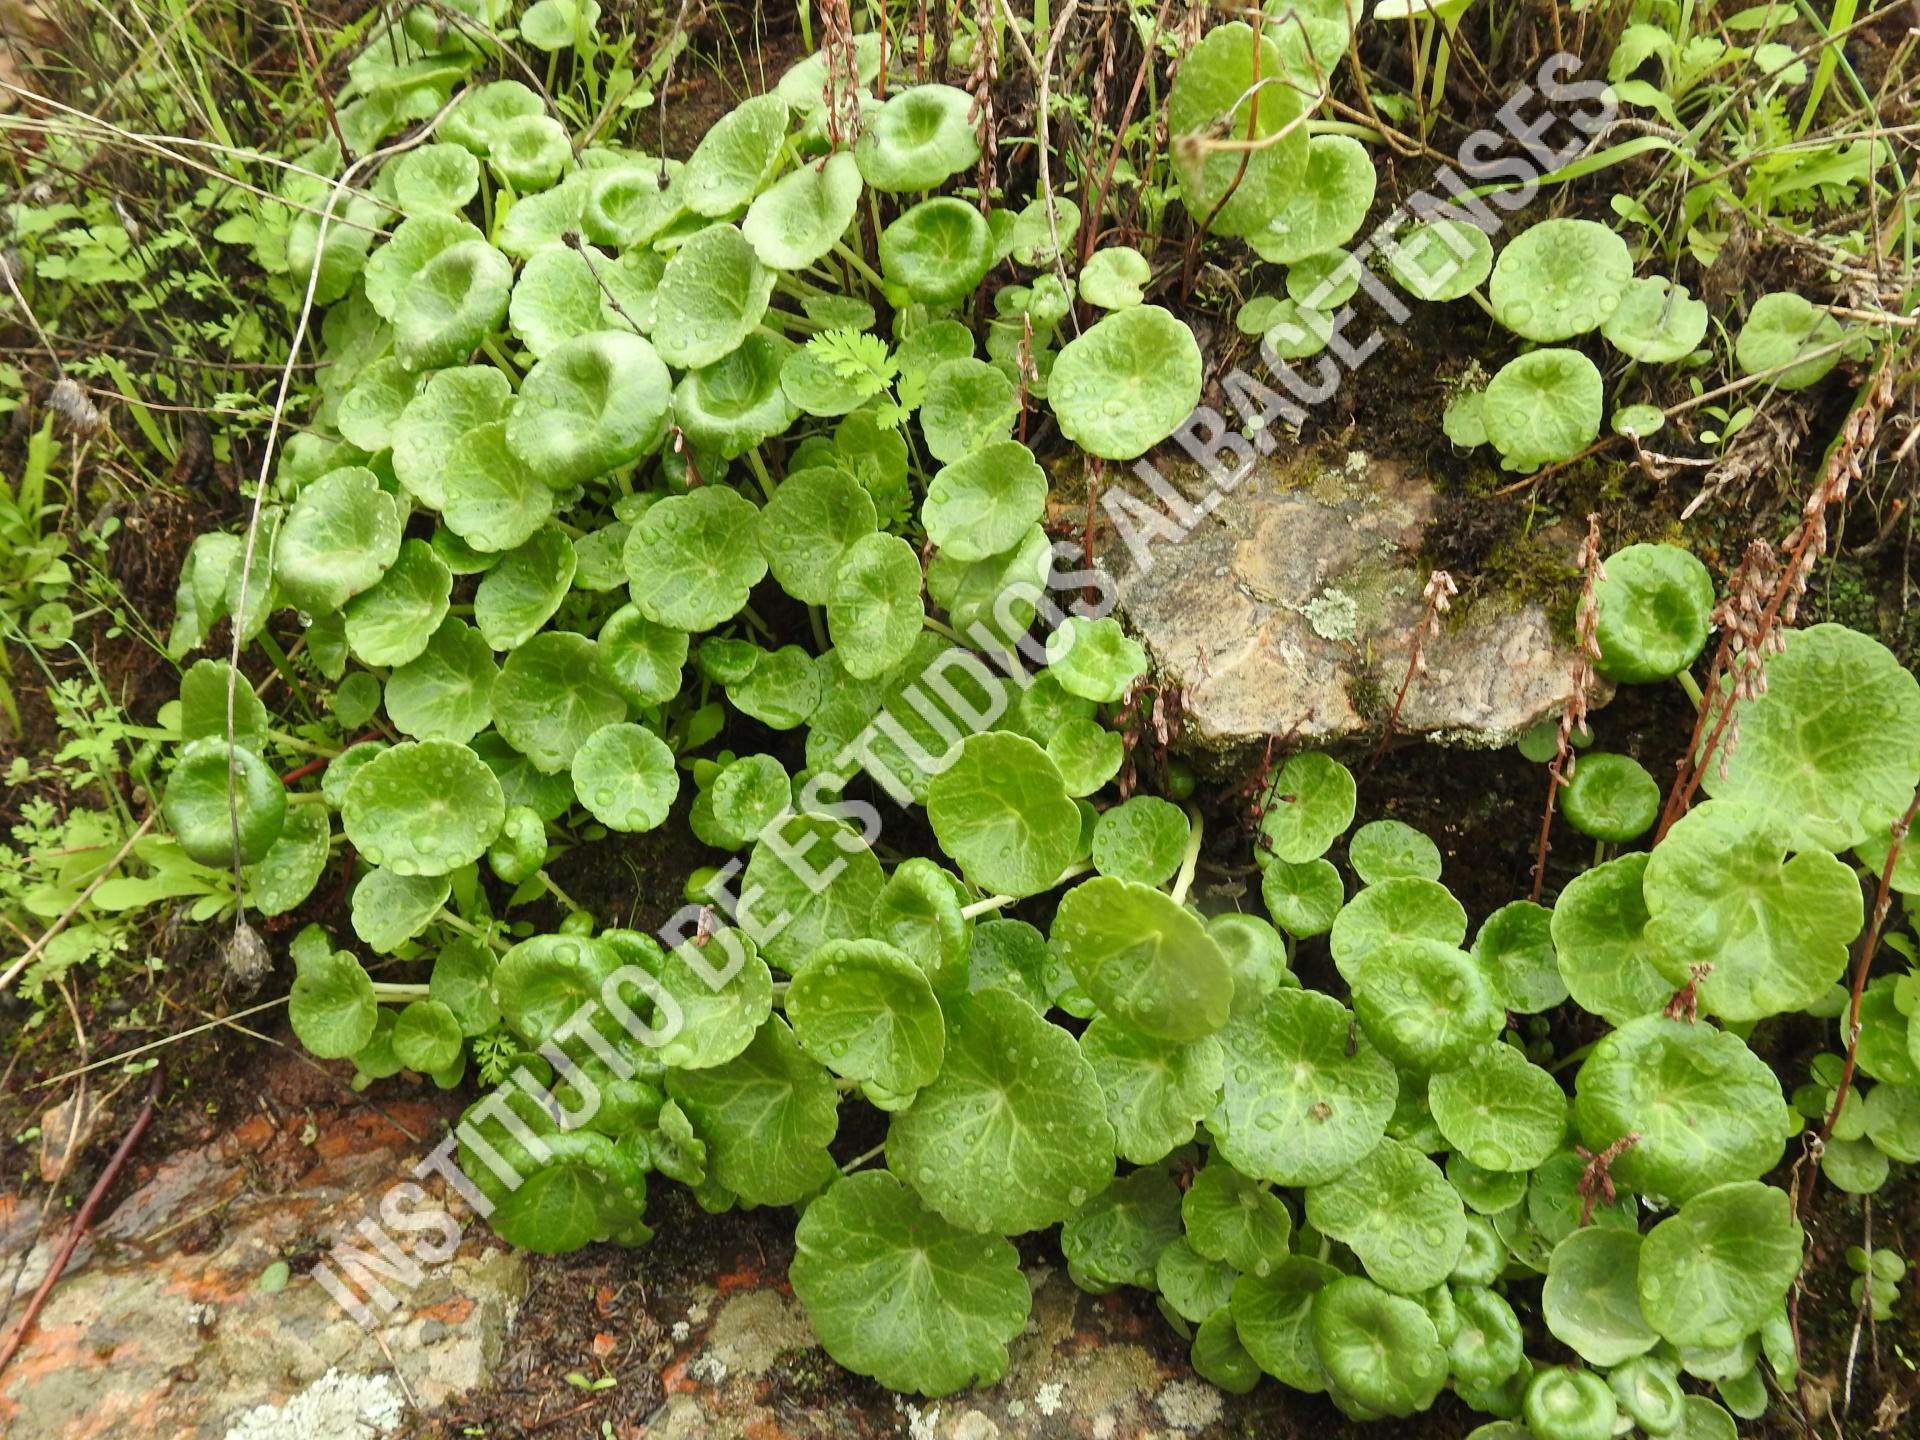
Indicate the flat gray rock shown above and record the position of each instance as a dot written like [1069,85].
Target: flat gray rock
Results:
[1290,610]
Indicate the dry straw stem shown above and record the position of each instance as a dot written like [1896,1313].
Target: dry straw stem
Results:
[1751,638]
[1586,650]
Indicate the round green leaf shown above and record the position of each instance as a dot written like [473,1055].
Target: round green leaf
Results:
[1489,1347]
[224,811]
[1087,754]
[1562,1403]
[767,1116]
[797,220]
[287,873]
[1216,93]
[203,705]
[595,403]
[1113,277]
[867,1013]
[806,527]
[451,404]
[491,499]
[560,295]
[462,980]
[451,304]
[1094,659]
[1390,913]
[338,539]
[1442,260]
[1141,839]
[483,110]
[1395,1210]
[693,559]
[446,691]
[711,296]
[1002,811]
[1273,1315]
[1012,1135]
[723,992]
[1721,891]
[1558,279]
[735,156]
[1145,960]
[645,660]
[820,875]
[625,776]
[378,396]
[628,205]
[1893,1121]
[1611,797]
[1126,382]
[1780,329]
[938,251]
[918,138]
[389,909]
[1515,953]
[1833,745]
[1156,1092]
[1655,604]
[971,405]
[1499,1110]
[529,152]
[1304,900]
[1300,1106]
[1193,1285]
[553,693]
[436,179]
[736,403]
[1706,1108]
[1379,1350]
[1326,209]
[423,808]
[1255,953]
[392,268]
[1235,1220]
[1657,323]
[983,503]
[897,1293]
[874,610]
[782,690]
[1592,1300]
[1712,1274]
[521,593]
[1542,407]
[1389,850]
[331,1003]
[393,622]
[919,914]
[1599,933]
[426,1037]
[1117,1236]
[1308,804]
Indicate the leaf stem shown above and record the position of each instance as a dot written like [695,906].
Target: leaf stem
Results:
[1692,687]
[759,468]
[859,1160]
[860,267]
[1190,860]
[995,902]
[393,992]
[559,894]
[472,931]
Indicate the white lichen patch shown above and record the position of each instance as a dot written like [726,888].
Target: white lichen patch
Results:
[1048,1397]
[334,1407]
[1190,1404]
[1334,615]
